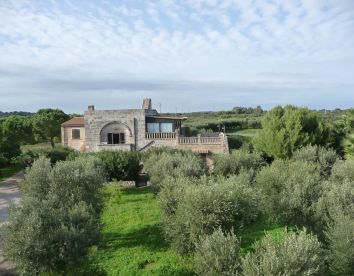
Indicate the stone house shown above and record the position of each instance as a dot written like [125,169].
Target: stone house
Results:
[134,130]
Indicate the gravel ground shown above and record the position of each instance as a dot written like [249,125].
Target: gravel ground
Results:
[9,193]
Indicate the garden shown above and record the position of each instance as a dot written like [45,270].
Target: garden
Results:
[282,204]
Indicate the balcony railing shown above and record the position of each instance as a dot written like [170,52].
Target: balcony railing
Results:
[160,135]
[200,140]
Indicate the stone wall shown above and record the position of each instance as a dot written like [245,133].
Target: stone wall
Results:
[133,119]
[68,141]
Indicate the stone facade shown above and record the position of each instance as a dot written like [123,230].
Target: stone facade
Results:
[127,129]
[130,121]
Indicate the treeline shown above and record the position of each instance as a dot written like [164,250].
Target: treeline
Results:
[17,130]
[15,113]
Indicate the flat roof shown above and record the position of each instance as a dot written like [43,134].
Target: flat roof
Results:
[167,117]
[74,122]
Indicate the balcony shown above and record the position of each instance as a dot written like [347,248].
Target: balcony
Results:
[160,135]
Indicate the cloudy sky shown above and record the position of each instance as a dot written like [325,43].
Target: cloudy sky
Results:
[187,55]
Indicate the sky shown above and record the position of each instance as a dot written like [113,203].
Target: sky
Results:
[187,55]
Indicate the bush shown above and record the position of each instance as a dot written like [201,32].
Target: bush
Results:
[120,165]
[217,254]
[295,254]
[201,209]
[325,158]
[340,236]
[235,162]
[58,218]
[27,158]
[162,164]
[337,196]
[3,161]
[291,189]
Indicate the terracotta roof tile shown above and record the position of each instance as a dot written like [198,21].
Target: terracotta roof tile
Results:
[74,122]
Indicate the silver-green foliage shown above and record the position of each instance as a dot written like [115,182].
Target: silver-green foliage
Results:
[57,220]
[324,158]
[236,161]
[335,214]
[295,254]
[291,189]
[217,254]
[160,165]
[199,209]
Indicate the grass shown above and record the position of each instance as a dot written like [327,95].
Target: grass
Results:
[133,238]
[8,171]
[133,242]
[249,132]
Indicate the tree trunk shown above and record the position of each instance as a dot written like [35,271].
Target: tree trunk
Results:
[52,142]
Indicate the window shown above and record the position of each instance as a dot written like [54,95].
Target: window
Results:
[159,127]
[115,138]
[153,127]
[75,133]
[166,127]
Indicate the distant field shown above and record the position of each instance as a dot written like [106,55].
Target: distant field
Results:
[133,241]
[250,132]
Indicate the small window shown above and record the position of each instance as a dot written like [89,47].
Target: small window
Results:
[75,134]
[115,138]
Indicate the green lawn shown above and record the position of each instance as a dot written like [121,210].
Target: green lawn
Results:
[133,242]
[8,171]
[133,238]
[249,132]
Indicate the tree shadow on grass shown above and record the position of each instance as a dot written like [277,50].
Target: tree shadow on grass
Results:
[151,237]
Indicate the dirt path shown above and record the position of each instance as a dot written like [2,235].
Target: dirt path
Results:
[9,193]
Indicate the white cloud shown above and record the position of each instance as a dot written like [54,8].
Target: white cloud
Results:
[187,41]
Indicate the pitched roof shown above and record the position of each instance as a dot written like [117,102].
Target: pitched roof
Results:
[74,122]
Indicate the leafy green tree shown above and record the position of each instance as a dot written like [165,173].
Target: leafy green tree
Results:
[202,206]
[58,218]
[291,189]
[340,236]
[217,254]
[288,129]
[236,161]
[164,163]
[295,254]
[47,123]
[18,129]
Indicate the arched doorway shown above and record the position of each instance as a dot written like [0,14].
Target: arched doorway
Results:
[115,133]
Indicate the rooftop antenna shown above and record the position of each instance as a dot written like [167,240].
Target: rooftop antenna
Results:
[160,107]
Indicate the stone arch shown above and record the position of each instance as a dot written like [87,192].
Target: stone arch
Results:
[115,127]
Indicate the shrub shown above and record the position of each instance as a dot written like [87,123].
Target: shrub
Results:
[27,158]
[340,236]
[291,190]
[337,196]
[160,165]
[343,171]
[295,254]
[120,165]
[217,254]
[37,179]
[201,209]
[325,158]
[235,162]
[3,161]
[58,219]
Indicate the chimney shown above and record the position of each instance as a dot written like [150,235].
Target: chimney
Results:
[146,103]
[91,108]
